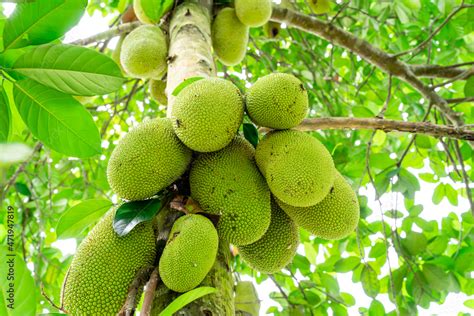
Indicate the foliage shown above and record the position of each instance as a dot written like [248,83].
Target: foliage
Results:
[430,255]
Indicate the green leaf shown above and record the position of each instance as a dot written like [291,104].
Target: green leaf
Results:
[469,87]
[11,153]
[370,282]
[57,119]
[185,299]
[415,243]
[469,303]
[251,133]
[155,9]
[24,297]
[451,194]
[438,193]
[376,309]
[71,69]
[347,264]
[133,213]
[76,219]
[22,189]
[42,21]
[5,116]
[184,84]
[435,276]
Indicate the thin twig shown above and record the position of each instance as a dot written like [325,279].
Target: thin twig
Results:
[150,293]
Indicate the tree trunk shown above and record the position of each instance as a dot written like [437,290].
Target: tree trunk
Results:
[190,55]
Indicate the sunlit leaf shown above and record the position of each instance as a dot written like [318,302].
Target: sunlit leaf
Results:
[186,298]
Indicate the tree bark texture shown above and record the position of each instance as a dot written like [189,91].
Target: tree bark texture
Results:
[190,55]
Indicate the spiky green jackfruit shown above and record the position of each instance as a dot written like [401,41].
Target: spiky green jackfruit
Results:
[278,101]
[298,168]
[229,37]
[335,217]
[146,160]
[157,91]
[276,248]
[207,114]
[104,266]
[253,13]
[189,253]
[228,183]
[246,299]
[144,52]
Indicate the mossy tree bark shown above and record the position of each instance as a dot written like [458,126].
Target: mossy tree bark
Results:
[190,55]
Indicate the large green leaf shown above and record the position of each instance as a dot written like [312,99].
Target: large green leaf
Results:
[155,9]
[57,119]
[131,214]
[370,282]
[5,116]
[71,69]
[79,217]
[41,21]
[24,288]
[185,299]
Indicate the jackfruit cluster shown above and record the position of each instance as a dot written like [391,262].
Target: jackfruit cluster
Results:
[146,160]
[227,183]
[277,246]
[189,253]
[104,266]
[144,52]
[335,217]
[207,114]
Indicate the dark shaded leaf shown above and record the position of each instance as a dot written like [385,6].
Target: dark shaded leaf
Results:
[131,214]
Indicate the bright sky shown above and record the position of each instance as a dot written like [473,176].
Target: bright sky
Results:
[90,25]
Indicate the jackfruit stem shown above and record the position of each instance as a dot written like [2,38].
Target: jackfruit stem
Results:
[190,52]
[131,302]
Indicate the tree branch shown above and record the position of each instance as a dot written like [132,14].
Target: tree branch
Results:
[365,50]
[387,126]
[135,288]
[436,71]
[150,293]
[122,28]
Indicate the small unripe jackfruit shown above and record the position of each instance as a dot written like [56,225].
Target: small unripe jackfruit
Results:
[253,13]
[147,159]
[229,37]
[104,266]
[298,168]
[228,183]
[335,217]
[276,248]
[144,52]
[189,253]
[278,101]
[157,91]
[207,114]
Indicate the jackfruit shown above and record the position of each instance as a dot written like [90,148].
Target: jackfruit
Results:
[146,160]
[272,29]
[104,266]
[246,299]
[253,13]
[320,6]
[189,253]
[228,183]
[144,52]
[229,37]
[278,101]
[157,91]
[335,217]
[151,11]
[207,114]
[276,248]
[298,168]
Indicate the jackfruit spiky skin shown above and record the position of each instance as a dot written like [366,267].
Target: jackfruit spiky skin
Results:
[298,168]
[144,52]
[104,266]
[157,91]
[253,13]
[228,183]
[229,37]
[277,247]
[207,114]
[189,253]
[146,160]
[333,218]
[278,101]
